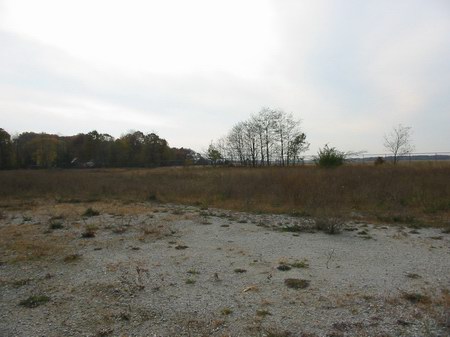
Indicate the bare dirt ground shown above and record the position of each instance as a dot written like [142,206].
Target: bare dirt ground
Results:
[151,269]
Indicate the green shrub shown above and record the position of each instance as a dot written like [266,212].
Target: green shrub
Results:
[329,157]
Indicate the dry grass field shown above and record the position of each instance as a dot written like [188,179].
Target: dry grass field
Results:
[415,194]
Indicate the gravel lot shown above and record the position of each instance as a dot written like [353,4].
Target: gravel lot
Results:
[169,270]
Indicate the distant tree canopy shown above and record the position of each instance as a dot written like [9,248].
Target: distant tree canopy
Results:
[270,137]
[134,149]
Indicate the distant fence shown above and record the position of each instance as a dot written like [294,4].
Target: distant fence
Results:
[362,158]
[370,158]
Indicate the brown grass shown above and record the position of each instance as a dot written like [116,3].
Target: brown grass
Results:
[413,194]
[28,242]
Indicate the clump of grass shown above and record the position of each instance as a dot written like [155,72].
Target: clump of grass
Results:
[413,275]
[295,283]
[21,282]
[190,281]
[72,257]
[284,267]
[300,264]
[226,311]
[193,272]
[275,332]
[329,224]
[417,298]
[181,247]
[263,313]
[34,301]
[240,270]
[89,232]
[119,230]
[91,212]
[54,224]
[205,221]
[293,229]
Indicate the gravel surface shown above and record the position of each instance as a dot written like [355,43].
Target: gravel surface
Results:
[168,270]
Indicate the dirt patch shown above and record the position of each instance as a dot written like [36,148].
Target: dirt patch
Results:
[154,269]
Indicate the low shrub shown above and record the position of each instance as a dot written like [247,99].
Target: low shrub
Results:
[329,157]
[329,224]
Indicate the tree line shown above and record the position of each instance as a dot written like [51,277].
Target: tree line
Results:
[269,137]
[93,149]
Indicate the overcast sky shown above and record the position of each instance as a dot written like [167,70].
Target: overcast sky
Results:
[189,70]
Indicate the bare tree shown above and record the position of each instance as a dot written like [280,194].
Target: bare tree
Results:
[267,137]
[235,140]
[250,141]
[398,141]
[259,129]
[267,120]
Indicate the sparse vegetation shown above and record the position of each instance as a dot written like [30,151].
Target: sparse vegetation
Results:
[226,311]
[248,294]
[55,224]
[300,264]
[263,313]
[34,301]
[72,257]
[120,229]
[413,275]
[329,224]
[21,282]
[284,267]
[417,298]
[293,228]
[91,212]
[275,332]
[296,283]
[89,231]
[240,270]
